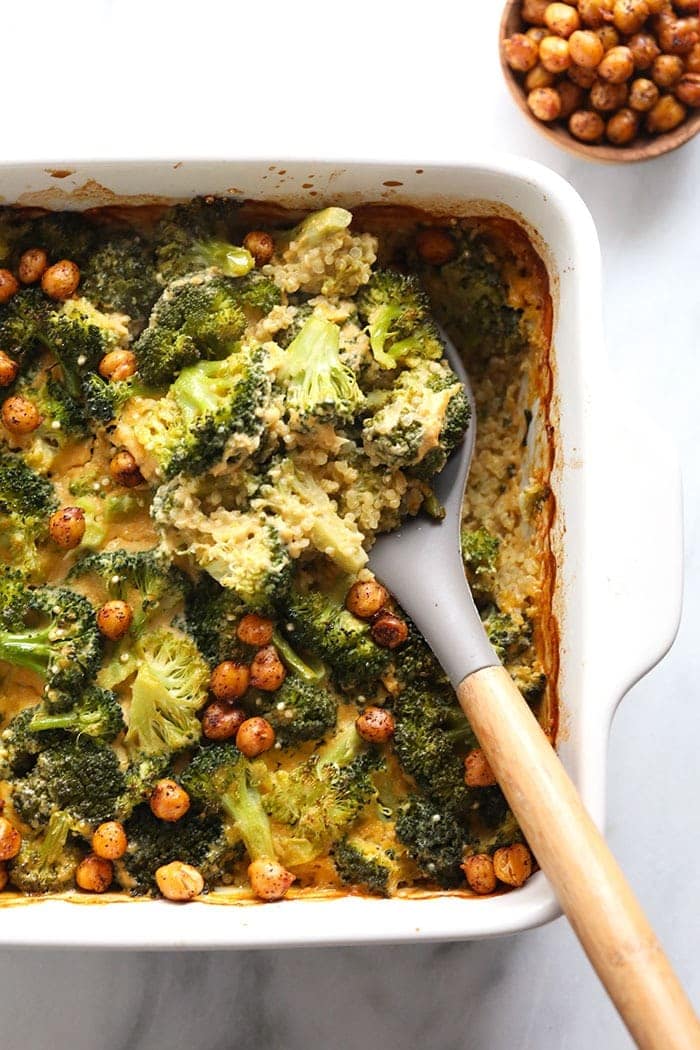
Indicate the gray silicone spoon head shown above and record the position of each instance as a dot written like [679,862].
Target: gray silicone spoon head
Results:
[421,564]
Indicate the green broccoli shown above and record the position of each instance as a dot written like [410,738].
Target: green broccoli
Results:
[297,711]
[314,229]
[286,336]
[396,311]
[47,863]
[140,778]
[104,399]
[20,745]
[434,838]
[27,500]
[120,276]
[212,614]
[367,865]
[62,235]
[23,321]
[97,713]
[509,638]
[485,837]
[319,388]
[195,236]
[480,554]
[414,661]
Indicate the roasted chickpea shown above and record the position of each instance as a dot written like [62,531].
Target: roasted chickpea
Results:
[520,52]
[643,94]
[61,280]
[229,680]
[617,65]
[513,864]
[477,771]
[124,469]
[667,70]
[269,880]
[585,48]
[532,11]
[10,840]
[570,97]
[67,527]
[583,78]
[544,103]
[692,60]
[255,630]
[169,801]
[630,15]
[554,54]
[32,265]
[389,631]
[220,721]
[114,619]
[678,36]
[8,285]
[117,365]
[539,77]
[687,89]
[179,882]
[562,19]
[260,245]
[586,126]
[608,97]
[644,50]
[4,877]
[365,598]
[94,874]
[20,415]
[537,33]
[609,37]
[622,127]
[479,872]
[109,840]
[595,13]
[665,115]
[375,725]
[435,246]
[255,736]
[267,670]
[9,369]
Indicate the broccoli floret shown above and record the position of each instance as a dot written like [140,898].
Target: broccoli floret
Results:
[414,661]
[97,713]
[367,866]
[480,553]
[62,235]
[53,633]
[212,614]
[314,229]
[287,335]
[140,778]
[47,864]
[104,399]
[23,320]
[509,638]
[256,291]
[434,838]
[79,776]
[396,311]
[27,500]
[319,388]
[321,625]
[195,236]
[120,276]
[20,745]
[169,688]
[297,711]
[504,831]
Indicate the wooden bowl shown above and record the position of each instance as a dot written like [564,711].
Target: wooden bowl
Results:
[644,146]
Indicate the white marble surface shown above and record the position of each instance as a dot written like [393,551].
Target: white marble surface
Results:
[128,78]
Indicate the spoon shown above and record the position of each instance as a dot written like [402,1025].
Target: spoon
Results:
[421,565]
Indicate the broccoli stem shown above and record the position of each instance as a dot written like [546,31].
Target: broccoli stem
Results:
[244,806]
[55,838]
[30,649]
[310,672]
[342,749]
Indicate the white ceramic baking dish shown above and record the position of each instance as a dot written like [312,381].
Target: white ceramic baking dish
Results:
[617,540]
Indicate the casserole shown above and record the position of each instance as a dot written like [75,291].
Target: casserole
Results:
[614,623]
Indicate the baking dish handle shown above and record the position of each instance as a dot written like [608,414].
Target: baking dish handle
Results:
[639,539]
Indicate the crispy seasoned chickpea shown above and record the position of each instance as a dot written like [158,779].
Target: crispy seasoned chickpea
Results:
[479,872]
[622,127]
[220,721]
[436,246]
[513,864]
[630,15]
[617,65]
[609,37]
[643,94]
[665,115]
[375,725]
[94,874]
[178,881]
[644,50]
[583,78]
[255,736]
[692,60]
[255,630]
[389,631]
[3,877]
[109,840]
[169,801]
[267,670]
[562,19]
[667,70]
[61,280]
[269,880]
[554,54]
[365,598]
[32,265]
[537,33]
[594,13]
[586,48]
[117,365]
[570,96]
[260,245]
[678,36]
[586,125]
[520,52]
[532,11]
[229,680]
[8,285]
[9,369]
[10,840]
[20,415]
[124,469]
[539,77]
[544,103]
[114,619]
[608,97]
[688,89]
[477,771]
[67,527]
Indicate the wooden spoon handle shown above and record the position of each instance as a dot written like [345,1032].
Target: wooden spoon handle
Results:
[591,888]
